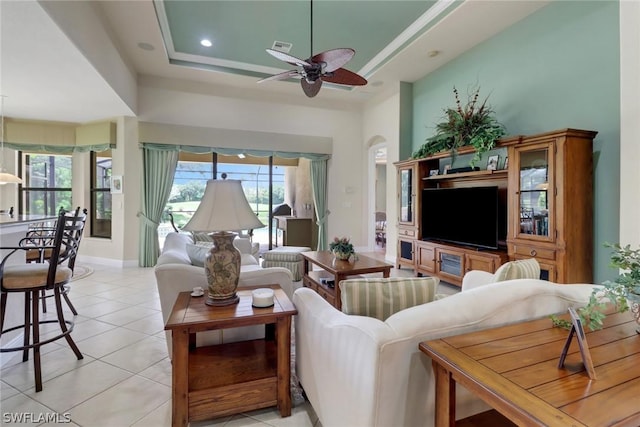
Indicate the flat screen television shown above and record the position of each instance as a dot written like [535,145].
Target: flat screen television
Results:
[474,216]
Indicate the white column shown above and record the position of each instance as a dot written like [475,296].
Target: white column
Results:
[629,123]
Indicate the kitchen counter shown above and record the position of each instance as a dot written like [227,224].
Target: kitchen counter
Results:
[6,220]
[12,229]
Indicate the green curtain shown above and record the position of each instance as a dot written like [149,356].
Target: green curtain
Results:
[157,179]
[319,187]
[58,149]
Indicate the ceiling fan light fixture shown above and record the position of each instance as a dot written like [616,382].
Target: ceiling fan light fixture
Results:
[325,66]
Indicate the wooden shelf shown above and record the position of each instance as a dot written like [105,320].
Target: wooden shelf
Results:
[471,174]
[229,378]
[230,363]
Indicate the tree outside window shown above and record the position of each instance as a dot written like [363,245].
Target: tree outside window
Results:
[101,207]
[46,186]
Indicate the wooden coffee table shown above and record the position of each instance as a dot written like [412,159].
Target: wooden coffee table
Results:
[230,378]
[336,270]
[514,369]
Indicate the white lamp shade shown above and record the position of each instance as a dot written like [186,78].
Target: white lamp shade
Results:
[224,207]
[7,178]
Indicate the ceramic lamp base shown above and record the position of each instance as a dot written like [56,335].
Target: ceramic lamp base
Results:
[222,268]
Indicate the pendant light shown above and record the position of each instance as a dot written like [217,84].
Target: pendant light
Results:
[5,178]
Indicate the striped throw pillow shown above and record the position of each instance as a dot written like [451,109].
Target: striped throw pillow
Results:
[382,297]
[520,269]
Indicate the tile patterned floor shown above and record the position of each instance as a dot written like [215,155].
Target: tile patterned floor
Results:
[125,376]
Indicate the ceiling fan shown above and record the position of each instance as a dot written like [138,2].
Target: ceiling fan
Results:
[325,66]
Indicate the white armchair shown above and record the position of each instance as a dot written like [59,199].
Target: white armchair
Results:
[175,273]
[520,269]
[246,246]
[362,371]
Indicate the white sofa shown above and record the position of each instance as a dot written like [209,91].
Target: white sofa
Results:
[360,371]
[175,273]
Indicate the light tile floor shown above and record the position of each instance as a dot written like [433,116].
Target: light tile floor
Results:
[125,376]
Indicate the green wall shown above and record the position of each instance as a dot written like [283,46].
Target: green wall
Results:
[558,68]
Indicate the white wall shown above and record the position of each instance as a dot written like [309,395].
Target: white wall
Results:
[345,173]
[381,121]
[122,248]
[629,126]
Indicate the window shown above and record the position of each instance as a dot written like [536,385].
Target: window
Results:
[192,173]
[255,183]
[194,170]
[101,194]
[46,185]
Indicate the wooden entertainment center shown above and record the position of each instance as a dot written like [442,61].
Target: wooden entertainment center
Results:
[549,196]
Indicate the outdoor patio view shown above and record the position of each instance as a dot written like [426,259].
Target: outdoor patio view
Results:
[190,182]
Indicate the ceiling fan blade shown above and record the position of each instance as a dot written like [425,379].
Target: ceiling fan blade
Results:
[343,76]
[334,58]
[282,76]
[288,58]
[311,89]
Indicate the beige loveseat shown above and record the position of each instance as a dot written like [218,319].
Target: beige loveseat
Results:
[175,273]
[361,371]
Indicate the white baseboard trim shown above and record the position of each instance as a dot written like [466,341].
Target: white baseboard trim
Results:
[109,262]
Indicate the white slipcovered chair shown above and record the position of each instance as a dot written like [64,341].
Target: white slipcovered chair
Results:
[519,269]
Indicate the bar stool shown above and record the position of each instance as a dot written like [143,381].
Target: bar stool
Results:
[42,236]
[31,279]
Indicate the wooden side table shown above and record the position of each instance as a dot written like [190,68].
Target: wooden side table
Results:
[230,378]
[515,370]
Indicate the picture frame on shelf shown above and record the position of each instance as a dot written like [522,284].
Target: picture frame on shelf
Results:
[492,163]
[506,163]
[433,172]
[447,168]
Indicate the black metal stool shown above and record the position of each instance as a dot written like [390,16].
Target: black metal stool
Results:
[32,279]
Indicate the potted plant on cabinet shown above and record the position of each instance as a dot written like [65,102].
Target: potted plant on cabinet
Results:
[465,125]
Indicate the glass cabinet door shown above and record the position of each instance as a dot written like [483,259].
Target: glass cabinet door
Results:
[535,192]
[406,199]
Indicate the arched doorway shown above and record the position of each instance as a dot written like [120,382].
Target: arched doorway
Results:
[377,190]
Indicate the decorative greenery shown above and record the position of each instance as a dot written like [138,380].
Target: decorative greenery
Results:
[617,292]
[342,246]
[462,126]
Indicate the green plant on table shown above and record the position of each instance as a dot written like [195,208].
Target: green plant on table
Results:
[617,292]
[342,245]
[469,124]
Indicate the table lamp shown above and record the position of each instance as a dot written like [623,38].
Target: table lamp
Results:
[223,209]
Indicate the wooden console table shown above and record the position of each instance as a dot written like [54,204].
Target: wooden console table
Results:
[229,378]
[336,270]
[514,369]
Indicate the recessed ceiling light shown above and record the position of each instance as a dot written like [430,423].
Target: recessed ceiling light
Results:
[206,43]
[146,46]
